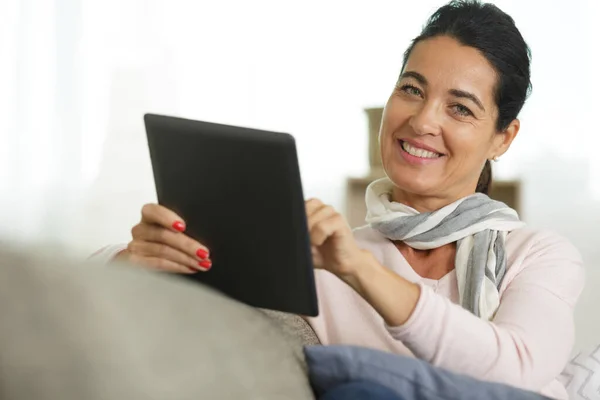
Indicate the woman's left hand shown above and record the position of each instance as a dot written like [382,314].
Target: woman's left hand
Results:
[333,245]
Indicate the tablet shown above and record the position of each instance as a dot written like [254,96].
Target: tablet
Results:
[240,194]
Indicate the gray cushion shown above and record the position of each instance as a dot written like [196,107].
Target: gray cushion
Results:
[409,378]
[72,331]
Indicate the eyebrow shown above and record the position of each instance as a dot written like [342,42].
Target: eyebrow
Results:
[454,92]
[466,95]
[415,75]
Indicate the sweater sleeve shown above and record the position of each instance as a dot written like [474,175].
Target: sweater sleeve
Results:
[107,253]
[529,341]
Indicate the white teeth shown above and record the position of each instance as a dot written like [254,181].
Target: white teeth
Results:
[418,152]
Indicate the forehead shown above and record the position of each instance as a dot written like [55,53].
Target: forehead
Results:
[447,64]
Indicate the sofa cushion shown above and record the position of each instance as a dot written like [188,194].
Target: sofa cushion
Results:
[73,330]
[411,378]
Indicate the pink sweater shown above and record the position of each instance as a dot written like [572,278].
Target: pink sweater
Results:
[527,344]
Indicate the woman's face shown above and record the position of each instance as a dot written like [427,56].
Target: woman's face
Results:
[439,124]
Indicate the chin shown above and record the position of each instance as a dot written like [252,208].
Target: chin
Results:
[410,182]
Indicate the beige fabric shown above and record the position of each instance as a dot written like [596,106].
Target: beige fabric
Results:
[71,331]
[295,327]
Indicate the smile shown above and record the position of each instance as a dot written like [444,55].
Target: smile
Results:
[417,152]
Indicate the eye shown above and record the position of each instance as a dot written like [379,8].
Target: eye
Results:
[461,110]
[411,90]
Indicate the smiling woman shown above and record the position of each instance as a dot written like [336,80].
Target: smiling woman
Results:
[442,272]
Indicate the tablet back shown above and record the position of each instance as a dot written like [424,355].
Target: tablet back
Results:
[240,194]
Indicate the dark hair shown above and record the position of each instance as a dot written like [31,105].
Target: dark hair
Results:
[488,29]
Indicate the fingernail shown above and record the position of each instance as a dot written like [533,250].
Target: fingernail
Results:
[201,253]
[206,264]
[179,226]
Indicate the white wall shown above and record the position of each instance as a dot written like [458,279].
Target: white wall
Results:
[310,68]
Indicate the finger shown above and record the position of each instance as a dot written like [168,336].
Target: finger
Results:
[159,250]
[317,257]
[319,214]
[176,240]
[160,264]
[326,228]
[312,205]
[160,215]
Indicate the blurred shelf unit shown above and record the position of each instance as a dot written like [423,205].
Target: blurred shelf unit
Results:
[506,191]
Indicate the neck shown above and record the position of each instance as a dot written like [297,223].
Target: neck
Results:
[426,203]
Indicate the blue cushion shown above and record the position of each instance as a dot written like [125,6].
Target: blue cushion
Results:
[331,366]
[360,391]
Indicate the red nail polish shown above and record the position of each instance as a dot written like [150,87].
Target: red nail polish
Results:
[179,226]
[201,253]
[206,264]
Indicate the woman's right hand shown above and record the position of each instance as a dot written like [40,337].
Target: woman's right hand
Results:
[159,242]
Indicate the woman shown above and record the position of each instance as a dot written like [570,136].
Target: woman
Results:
[441,272]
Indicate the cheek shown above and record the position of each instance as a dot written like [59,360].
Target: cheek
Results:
[394,116]
[394,111]
[469,147]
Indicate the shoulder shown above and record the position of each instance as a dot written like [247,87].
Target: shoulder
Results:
[535,243]
[545,259]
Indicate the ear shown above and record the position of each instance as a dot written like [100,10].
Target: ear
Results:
[503,140]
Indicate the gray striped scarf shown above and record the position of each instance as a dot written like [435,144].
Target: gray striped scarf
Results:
[477,223]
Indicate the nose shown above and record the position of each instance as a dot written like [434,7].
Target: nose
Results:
[426,120]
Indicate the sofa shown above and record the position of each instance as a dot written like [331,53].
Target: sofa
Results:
[73,330]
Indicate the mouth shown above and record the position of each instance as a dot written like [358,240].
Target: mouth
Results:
[418,152]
